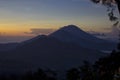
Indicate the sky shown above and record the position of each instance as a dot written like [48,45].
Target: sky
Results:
[23,19]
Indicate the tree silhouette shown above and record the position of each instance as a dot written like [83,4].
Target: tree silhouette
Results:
[73,74]
[86,71]
[28,76]
[51,75]
[109,66]
[40,75]
[108,3]
[111,5]
[3,77]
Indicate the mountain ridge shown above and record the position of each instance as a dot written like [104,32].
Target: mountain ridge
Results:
[72,33]
[51,52]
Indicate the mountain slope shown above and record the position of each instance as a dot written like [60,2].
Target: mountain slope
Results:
[47,52]
[73,34]
[8,46]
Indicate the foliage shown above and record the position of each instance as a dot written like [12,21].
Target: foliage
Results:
[106,68]
[38,75]
[111,6]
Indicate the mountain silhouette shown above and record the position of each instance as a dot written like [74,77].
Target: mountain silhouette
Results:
[73,34]
[8,46]
[59,50]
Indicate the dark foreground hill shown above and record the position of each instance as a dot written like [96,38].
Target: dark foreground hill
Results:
[47,52]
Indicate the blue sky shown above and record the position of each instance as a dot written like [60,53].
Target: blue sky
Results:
[61,11]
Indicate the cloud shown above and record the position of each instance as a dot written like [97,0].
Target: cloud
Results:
[2,34]
[97,33]
[111,34]
[39,31]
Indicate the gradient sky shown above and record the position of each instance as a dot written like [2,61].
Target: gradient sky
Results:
[21,17]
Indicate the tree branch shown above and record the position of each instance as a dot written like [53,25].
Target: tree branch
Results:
[118,5]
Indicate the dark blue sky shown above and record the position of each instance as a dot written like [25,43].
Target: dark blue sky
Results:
[60,11]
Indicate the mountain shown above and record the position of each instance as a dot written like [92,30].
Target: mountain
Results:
[46,52]
[73,34]
[8,46]
[66,48]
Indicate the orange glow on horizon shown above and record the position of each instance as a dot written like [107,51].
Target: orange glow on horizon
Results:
[12,29]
